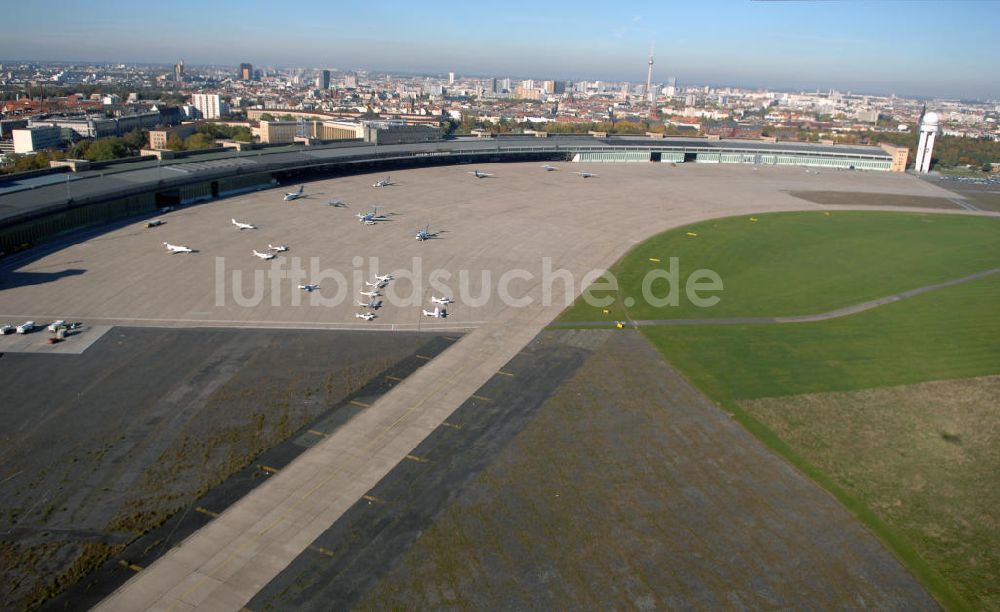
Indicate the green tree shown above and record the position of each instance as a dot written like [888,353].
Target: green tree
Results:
[136,139]
[104,149]
[199,141]
[266,117]
[174,143]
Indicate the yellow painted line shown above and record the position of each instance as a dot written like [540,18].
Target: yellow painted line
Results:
[417,459]
[361,404]
[424,357]
[692,234]
[321,550]
[502,373]
[481,398]
[317,432]
[131,566]
[371,499]
[206,512]
[753,219]
[452,425]
[656,259]
[394,378]
[266,468]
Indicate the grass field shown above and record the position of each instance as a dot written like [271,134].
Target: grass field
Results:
[919,456]
[801,263]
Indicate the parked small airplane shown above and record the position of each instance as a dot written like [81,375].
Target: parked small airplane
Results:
[295,195]
[6,329]
[371,217]
[378,284]
[478,174]
[436,313]
[310,287]
[243,226]
[425,234]
[26,328]
[372,294]
[549,168]
[384,279]
[585,174]
[177,248]
[444,301]
[373,304]
[281,248]
[337,203]
[264,256]
[383,183]
[53,326]
[154,223]
[367,316]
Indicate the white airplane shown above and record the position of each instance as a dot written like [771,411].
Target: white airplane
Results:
[371,294]
[370,218]
[384,279]
[177,248]
[383,183]
[378,284]
[367,316]
[549,168]
[264,256]
[243,226]
[478,174]
[309,287]
[437,313]
[443,301]
[373,304]
[6,329]
[586,174]
[425,234]
[281,248]
[53,326]
[26,327]
[295,195]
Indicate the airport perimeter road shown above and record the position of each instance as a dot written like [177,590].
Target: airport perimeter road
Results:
[508,222]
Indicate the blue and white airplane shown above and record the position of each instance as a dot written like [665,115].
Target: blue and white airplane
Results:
[295,195]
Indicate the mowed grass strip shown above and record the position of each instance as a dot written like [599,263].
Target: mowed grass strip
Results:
[800,263]
[948,333]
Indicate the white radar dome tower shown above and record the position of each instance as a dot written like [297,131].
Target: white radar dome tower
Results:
[928,130]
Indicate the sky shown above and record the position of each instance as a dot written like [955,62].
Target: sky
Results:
[923,48]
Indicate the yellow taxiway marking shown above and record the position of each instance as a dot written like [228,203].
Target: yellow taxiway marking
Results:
[481,398]
[360,404]
[655,259]
[424,357]
[131,566]
[317,432]
[452,425]
[267,468]
[502,373]
[206,512]
[371,499]
[321,550]
[417,459]
[394,378]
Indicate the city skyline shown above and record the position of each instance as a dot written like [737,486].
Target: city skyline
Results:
[864,47]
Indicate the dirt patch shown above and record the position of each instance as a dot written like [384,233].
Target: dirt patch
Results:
[853,198]
[924,457]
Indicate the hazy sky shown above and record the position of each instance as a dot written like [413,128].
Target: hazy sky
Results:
[910,48]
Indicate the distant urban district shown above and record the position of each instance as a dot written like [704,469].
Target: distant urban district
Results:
[54,112]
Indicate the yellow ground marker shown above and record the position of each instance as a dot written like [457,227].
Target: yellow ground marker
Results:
[417,459]
[481,398]
[323,551]
[654,259]
[206,512]
[502,373]
[394,378]
[753,219]
[424,357]
[619,325]
[131,566]
[317,432]
[371,499]
[827,214]
[360,404]
[452,425]
[267,468]
[692,234]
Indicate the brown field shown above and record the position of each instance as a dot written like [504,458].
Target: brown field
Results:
[853,198]
[924,457]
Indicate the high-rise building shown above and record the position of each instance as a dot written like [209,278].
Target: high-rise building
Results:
[451,78]
[928,130]
[179,71]
[246,72]
[210,106]
[37,138]
[323,80]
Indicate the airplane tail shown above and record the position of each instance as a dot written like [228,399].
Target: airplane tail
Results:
[302,188]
